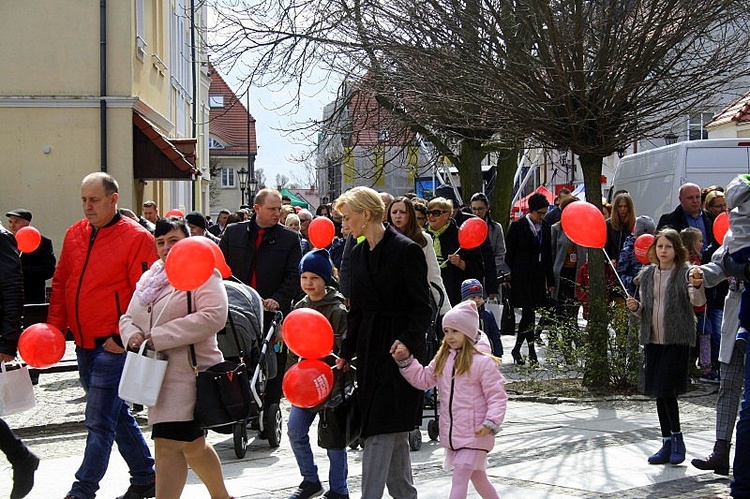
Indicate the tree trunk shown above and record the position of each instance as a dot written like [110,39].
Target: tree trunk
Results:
[502,194]
[469,167]
[596,370]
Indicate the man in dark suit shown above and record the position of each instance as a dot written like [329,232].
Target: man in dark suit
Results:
[690,214]
[265,255]
[39,265]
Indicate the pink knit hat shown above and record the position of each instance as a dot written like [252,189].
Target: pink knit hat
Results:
[464,318]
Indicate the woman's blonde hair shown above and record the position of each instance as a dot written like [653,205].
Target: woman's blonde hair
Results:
[290,219]
[359,199]
[464,358]
[441,203]
[690,236]
[711,197]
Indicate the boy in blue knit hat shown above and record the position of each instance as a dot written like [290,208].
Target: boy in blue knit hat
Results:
[316,276]
[471,289]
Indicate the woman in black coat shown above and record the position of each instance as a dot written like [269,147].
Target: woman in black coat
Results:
[529,257]
[389,301]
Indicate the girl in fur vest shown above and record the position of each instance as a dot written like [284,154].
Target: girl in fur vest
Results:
[669,289]
[472,395]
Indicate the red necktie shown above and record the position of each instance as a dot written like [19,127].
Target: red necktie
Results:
[258,240]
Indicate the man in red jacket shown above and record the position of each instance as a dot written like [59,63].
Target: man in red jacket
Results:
[102,258]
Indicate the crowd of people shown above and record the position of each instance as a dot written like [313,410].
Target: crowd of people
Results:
[110,291]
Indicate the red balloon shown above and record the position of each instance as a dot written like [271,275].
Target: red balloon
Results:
[308,383]
[308,333]
[189,264]
[174,213]
[219,262]
[28,239]
[721,226]
[321,232]
[41,345]
[472,233]
[641,246]
[584,224]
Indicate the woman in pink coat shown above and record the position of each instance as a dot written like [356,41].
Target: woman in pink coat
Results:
[158,315]
[472,397]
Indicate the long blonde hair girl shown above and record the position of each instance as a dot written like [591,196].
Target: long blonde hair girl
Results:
[464,357]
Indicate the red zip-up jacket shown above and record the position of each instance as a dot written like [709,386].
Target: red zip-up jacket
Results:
[96,276]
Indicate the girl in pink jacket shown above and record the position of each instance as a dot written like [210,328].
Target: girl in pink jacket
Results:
[472,397]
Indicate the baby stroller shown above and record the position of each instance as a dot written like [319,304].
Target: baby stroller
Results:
[242,339]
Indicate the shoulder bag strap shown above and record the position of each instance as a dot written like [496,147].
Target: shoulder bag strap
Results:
[193,359]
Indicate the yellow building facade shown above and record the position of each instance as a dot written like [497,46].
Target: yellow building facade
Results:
[64,114]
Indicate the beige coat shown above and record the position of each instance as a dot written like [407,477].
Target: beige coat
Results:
[173,335]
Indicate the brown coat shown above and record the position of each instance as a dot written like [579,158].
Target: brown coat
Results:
[173,335]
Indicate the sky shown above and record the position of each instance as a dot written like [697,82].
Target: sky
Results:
[277,147]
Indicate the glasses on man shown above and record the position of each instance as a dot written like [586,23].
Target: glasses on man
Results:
[436,213]
[303,220]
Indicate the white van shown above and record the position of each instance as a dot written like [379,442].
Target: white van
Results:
[653,178]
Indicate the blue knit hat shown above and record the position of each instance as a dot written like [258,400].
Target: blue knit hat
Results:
[471,287]
[318,262]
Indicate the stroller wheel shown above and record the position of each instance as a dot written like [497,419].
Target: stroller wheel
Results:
[415,439]
[240,439]
[272,425]
[433,430]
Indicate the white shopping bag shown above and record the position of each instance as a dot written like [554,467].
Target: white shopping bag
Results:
[496,308]
[142,376]
[16,391]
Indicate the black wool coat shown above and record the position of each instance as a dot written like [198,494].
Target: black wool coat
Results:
[277,260]
[38,266]
[530,264]
[389,301]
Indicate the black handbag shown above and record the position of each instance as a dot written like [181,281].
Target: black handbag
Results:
[223,390]
[508,321]
[339,423]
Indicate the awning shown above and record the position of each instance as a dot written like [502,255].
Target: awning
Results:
[522,205]
[296,200]
[155,157]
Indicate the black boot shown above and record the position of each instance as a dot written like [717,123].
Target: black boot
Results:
[717,461]
[23,476]
[532,354]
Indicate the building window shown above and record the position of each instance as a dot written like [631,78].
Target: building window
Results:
[228,178]
[696,125]
[384,136]
[216,101]
[214,144]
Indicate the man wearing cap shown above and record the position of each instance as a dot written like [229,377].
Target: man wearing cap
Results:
[197,225]
[38,265]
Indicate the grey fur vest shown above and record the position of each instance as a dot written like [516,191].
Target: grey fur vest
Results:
[679,318]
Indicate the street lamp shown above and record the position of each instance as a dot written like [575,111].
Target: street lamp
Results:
[253,189]
[242,178]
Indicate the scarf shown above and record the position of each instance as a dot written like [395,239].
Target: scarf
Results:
[152,283]
[436,242]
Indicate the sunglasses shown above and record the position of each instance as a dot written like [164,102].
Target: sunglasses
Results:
[435,213]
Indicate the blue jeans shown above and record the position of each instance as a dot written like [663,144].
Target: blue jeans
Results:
[741,468]
[108,420]
[298,427]
[714,317]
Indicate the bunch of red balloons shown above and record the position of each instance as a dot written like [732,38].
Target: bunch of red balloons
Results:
[308,334]
[41,345]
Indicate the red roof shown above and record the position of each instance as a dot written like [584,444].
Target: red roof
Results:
[229,124]
[737,111]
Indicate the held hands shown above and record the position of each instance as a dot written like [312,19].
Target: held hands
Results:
[695,275]
[270,304]
[399,351]
[632,303]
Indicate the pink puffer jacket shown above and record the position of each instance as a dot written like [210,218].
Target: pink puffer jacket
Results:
[466,401]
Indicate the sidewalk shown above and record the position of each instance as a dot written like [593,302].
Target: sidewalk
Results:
[545,450]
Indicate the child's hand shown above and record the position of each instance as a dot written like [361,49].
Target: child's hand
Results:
[632,303]
[482,431]
[399,351]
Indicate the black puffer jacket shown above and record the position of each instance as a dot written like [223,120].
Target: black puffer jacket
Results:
[11,293]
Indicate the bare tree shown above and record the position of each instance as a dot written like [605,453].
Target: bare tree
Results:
[281,181]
